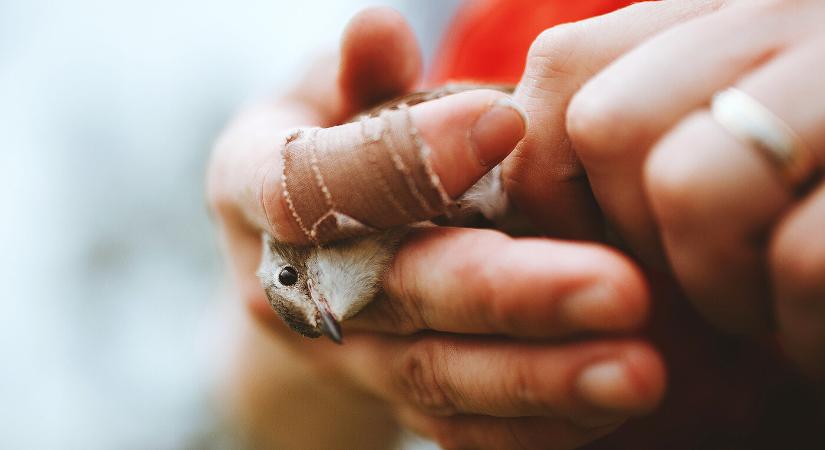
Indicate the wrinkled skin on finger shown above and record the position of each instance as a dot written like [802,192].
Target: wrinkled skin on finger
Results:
[430,390]
[425,372]
[446,357]
[628,147]
[682,189]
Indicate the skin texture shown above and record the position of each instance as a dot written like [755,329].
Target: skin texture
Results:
[596,280]
[525,343]
[619,99]
[332,282]
[680,191]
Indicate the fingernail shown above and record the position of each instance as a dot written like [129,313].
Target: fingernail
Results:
[498,130]
[606,385]
[593,307]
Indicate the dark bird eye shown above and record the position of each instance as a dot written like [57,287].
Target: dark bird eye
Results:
[288,276]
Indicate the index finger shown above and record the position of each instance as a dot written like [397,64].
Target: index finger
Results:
[481,281]
[552,186]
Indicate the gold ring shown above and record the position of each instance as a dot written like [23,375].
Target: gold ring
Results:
[750,122]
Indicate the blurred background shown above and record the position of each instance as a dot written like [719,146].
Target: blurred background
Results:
[110,274]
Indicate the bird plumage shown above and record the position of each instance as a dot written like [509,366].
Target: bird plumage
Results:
[345,276]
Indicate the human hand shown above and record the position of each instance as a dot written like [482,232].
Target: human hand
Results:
[676,186]
[473,344]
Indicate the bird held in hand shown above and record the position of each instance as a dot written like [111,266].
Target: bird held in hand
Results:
[314,288]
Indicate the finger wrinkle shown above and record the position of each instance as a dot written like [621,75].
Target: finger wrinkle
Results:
[422,375]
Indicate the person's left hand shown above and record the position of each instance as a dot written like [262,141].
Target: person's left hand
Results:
[677,187]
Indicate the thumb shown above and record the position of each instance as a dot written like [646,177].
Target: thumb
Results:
[401,167]
[427,154]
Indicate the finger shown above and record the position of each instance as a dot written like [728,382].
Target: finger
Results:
[544,176]
[797,264]
[499,285]
[379,59]
[444,375]
[398,168]
[494,433]
[716,197]
[325,95]
[619,114]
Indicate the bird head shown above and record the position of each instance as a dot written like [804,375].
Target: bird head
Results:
[313,289]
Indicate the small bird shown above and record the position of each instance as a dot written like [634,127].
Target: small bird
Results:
[314,288]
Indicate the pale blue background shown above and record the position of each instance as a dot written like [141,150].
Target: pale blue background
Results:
[109,269]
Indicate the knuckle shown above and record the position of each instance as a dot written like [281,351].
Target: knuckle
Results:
[498,307]
[403,316]
[475,269]
[503,313]
[554,41]
[601,127]
[422,379]
[552,53]
[672,182]
[671,197]
[404,310]
[489,299]
[525,389]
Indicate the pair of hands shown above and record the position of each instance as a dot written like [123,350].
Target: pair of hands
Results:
[485,350]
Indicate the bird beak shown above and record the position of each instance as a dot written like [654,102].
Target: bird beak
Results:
[329,324]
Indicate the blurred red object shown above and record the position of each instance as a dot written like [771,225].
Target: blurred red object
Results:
[723,393]
[488,40]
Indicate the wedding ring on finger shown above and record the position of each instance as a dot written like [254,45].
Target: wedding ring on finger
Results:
[753,124]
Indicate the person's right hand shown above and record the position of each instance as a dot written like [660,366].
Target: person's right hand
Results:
[607,99]
[476,343]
